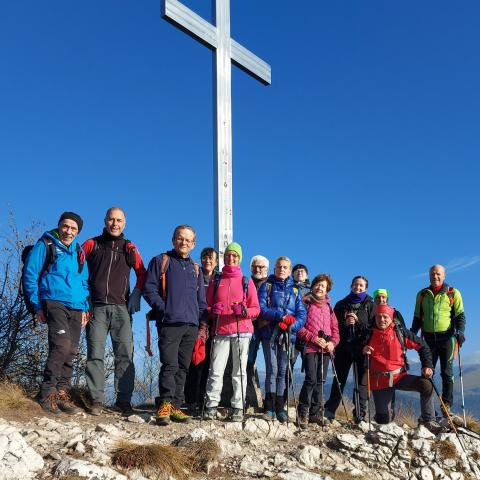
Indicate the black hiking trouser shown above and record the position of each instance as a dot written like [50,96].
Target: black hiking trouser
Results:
[444,350]
[64,325]
[175,343]
[346,357]
[311,394]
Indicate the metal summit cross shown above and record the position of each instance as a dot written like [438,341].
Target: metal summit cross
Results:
[226,50]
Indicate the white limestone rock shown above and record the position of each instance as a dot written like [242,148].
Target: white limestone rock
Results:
[82,468]
[350,441]
[308,455]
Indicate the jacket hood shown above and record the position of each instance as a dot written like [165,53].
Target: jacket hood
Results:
[309,298]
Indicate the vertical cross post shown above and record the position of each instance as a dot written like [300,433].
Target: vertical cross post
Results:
[226,50]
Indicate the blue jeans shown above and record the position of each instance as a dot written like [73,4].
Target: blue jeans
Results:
[253,348]
[276,365]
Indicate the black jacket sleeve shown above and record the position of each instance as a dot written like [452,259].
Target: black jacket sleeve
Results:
[419,344]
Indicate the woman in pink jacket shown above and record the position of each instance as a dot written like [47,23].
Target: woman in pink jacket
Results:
[320,335]
[232,302]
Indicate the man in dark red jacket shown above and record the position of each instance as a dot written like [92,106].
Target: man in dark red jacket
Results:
[388,367]
[110,258]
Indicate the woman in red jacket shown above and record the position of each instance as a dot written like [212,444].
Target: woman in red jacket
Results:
[232,301]
[320,335]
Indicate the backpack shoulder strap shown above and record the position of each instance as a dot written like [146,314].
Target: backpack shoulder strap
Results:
[163,273]
[80,257]
[451,295]
[423,292]
[130,251]
[401,339]
[50,254]
[196,266]
[269,291]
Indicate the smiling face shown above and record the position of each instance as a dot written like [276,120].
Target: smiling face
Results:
[437,276]
[115,222]
[283,269]
[320,289]
[231,258]
[359,285]
[300,275]
[382,320]
[67,230]
[259,270]
[183,242]
[209,262]
[381,299]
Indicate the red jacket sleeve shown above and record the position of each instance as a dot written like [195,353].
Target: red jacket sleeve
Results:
[140,270]
[87,247]
[306,335]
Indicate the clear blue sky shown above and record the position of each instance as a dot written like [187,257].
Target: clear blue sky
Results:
[360,158]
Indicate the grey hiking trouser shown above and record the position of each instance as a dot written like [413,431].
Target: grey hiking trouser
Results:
[116,320]
[409,383]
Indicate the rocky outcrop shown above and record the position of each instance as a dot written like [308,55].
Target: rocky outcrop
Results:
[82,446]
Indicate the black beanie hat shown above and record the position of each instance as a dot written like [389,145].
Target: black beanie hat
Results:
[298,266]
[72,216]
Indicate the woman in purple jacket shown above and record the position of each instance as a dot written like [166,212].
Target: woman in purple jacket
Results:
[320,335]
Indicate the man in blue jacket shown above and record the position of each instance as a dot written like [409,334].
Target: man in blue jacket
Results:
[174,289]
[58,293]
[283,311]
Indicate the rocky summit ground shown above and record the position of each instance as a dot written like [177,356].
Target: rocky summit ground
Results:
[38,446]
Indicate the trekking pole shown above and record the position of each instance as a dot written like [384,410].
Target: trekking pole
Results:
[241,369]
[212,343]
[286,337]
[368,394]
[294,396]
[322,406]
[461,386]
[450,421]
[334,370]
[356,399]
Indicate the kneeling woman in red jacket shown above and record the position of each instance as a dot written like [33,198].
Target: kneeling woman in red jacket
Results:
[388,367]
[320,335]
[232,303]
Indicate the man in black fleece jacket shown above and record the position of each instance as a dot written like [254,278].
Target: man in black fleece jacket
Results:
[178,311]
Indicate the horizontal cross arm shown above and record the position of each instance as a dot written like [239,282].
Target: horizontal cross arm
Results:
[250,63]
[182,17]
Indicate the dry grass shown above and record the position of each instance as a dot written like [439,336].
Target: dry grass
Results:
[472,422]
[340,413]
[445,449]
[202,454]
[153,461]
[13,397]
[406,416]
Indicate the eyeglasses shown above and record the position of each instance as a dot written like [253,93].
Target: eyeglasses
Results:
[184,240]
[259,267]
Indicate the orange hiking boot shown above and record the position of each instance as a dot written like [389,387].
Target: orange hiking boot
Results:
[178,416]
[49,404]
[65,403]
[162,416]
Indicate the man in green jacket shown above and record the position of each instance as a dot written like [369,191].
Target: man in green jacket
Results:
[439,314]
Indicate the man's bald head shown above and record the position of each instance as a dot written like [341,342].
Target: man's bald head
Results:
[437,275]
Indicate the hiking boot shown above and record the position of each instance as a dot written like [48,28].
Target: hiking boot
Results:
[282,416]
[237,415]
[269,416]
[434,427]
[96,409]
[329,415]
[303,420]
[162,417]
[178,416]
[319,419]
[125,408]
[210,413]
[65,403]
[49,404]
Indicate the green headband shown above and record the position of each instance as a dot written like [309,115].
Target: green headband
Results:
[381,291]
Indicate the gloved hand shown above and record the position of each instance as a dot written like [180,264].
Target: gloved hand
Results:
[283,326]
[460,336]
[134,301]
[237,309]
[289,320]
[199,352]
[217,309]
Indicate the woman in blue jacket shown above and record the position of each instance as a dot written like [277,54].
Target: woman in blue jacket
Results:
[282,307]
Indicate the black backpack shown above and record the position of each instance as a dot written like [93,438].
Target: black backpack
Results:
[50,259]
[129,250]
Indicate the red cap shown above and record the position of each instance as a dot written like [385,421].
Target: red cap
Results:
[385,309]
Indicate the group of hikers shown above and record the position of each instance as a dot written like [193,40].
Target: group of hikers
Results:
[206,318]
